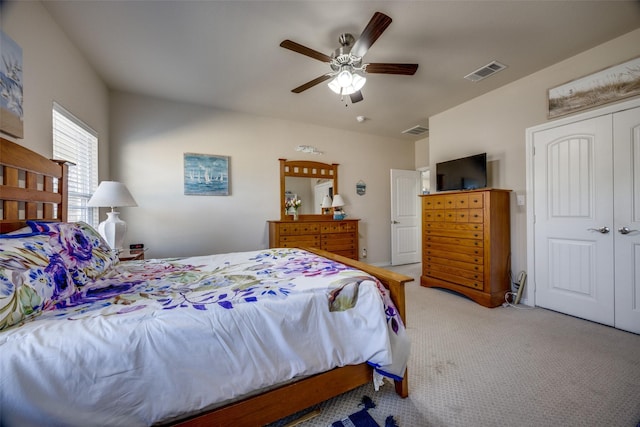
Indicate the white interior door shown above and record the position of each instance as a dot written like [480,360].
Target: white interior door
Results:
[405,217]
[626,125]
[573,219]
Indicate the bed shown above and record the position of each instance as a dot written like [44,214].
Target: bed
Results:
[160,341]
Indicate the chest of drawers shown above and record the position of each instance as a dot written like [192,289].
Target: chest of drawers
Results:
[466,243]
[339,237]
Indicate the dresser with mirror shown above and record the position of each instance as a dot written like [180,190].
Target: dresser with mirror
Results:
[314,225]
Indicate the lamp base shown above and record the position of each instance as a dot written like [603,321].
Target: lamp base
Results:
[113,230]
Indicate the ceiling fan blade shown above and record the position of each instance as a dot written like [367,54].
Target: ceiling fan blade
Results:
[382,68]
[312,83]
[356,97]
[374,29]
[297,47]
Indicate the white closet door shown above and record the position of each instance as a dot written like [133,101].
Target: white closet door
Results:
[573,199]
[626,125]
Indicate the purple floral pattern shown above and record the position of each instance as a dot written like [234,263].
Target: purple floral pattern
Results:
[170,284]
[84,252]
[33,277]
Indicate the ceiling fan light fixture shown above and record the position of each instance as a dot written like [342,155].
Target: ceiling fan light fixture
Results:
[344,77]
[357,80]
[334,86]
[348,73]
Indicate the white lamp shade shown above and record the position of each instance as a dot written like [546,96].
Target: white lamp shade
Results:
[111,194]
[338,202]
[344,77]
[326,201]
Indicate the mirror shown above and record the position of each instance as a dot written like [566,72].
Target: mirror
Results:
[310,191]
[309,182]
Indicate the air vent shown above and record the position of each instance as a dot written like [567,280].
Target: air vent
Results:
[416,130]
[486,71]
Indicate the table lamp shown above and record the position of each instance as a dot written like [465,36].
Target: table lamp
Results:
[326,204]
[337,204]
[112,194]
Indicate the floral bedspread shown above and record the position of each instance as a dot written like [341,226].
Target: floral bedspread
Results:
[151,340]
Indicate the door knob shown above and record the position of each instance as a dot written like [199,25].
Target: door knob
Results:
[395,222]
[603,230]
[625,230]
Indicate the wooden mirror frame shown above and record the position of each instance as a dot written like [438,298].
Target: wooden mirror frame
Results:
[305,169]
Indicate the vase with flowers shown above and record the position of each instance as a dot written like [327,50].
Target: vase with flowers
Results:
[292,205]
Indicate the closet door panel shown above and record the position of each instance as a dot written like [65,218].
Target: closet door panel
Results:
[573,198]
[626,125]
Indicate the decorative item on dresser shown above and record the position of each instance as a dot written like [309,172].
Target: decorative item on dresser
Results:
[466,243]
[338,204]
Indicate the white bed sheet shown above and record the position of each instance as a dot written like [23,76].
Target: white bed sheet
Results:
[169,349]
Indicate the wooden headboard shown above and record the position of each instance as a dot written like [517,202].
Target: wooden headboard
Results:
[28,187]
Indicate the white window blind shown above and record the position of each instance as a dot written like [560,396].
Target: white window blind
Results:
[76,142]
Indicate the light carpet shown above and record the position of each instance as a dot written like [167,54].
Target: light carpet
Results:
[474,366]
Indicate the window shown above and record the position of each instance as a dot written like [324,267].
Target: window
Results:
[76,142]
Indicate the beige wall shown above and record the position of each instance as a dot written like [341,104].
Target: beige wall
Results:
[150,136]
[496,123]
[421,153]
[54,70]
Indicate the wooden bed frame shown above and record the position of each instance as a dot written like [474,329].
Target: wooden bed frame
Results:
[27,193]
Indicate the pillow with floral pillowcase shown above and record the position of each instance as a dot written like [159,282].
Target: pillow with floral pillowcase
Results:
[33,277]
[85,253]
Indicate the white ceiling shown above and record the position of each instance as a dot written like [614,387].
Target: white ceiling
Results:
[226,54]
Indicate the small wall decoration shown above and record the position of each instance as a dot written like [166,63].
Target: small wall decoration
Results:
[206,175]
[605,86]
[361,188]
[11,113]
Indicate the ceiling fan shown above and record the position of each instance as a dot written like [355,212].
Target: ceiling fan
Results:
[348,73]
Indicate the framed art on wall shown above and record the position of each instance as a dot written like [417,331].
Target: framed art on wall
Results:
[602,87]
[206,175]
[11,113]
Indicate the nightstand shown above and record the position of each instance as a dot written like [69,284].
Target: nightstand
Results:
[128,255]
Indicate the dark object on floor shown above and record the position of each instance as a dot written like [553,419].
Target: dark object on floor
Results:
[358,419]
[362,417]
[367,402]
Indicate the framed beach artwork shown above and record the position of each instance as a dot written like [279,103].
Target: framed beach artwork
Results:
[605,86]
[206,175]
[11,113]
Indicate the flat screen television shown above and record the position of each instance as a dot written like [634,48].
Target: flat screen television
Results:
[467,173]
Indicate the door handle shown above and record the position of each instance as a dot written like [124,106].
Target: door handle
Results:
[625,230]
[603,230]
[395,222]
